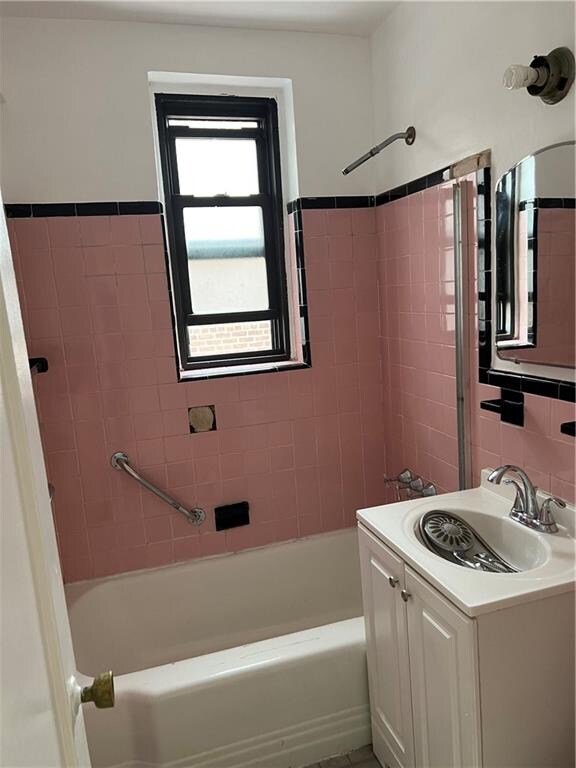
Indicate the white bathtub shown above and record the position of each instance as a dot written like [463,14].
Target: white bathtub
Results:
[254,659]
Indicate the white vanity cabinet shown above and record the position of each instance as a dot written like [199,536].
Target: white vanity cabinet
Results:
[452,691]
[387,649]
[444,679]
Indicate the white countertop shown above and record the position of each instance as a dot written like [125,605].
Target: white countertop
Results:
[476,592]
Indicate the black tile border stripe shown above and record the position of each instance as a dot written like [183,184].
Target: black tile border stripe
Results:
[50,210]
[331,203]
[416,185]
[144,207]
[552,388]
[41,210]
[547,202]
[534,385]
[371,201]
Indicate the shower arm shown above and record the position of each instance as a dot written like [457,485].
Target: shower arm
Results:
[195,516]
[409,135]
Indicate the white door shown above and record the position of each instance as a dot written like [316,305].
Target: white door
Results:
[387,649]
[444,675]
[38,693]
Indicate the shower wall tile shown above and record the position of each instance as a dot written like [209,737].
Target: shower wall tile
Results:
[539,447]
[415,268]
[417,335]
[305,448]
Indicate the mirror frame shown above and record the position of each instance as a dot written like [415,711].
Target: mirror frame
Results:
[504,304]
[525,383]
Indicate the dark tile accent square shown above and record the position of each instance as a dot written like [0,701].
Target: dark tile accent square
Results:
[567,391]
[232,515]
[18,210]
[40,210]
[358,201]
[317,203]
[141,208]
[96,209]
[544,387]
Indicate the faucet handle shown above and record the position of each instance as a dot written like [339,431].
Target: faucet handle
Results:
[554,500]
[520,500]
[546,517]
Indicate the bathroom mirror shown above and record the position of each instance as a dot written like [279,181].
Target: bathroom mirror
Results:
[536,259]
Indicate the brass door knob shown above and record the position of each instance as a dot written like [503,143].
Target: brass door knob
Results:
[101,692]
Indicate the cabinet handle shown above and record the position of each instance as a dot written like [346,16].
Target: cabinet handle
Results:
[393,581]
[405,595]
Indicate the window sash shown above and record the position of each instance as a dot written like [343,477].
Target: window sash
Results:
[269,200]
[261,152]
[276,353]
[273,267]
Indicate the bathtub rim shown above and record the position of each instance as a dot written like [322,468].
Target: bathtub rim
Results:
[340,532]
[341,725]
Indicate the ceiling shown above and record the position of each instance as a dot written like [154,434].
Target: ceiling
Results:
[352,17]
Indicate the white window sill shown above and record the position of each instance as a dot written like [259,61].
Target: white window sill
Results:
[241,370]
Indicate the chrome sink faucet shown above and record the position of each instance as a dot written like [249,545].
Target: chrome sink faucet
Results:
[525,509]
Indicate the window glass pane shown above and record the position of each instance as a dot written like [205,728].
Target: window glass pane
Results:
[230,338]
[224,125]
[208,167]
[226,264]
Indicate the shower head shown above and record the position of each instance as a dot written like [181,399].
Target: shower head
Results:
[409,136]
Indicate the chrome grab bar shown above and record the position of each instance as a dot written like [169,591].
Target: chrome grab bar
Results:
[195,516]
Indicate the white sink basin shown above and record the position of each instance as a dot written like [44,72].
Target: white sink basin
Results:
[546,562]
[518,545]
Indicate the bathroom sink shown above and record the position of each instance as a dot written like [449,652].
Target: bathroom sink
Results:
[542,564]
[518,547]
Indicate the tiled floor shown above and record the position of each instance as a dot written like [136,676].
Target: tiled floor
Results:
[360,758]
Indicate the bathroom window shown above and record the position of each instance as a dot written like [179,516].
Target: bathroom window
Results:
[223,194]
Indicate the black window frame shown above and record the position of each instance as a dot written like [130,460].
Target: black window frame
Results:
[269,199]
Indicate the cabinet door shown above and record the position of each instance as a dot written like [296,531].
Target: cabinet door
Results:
[444,677]
[387,649]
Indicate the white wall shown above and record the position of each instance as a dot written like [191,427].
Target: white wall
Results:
[76,125]
[439,65]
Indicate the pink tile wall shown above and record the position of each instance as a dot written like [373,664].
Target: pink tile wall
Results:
[305,448]
[539,447]
[416,284]
[418,357]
